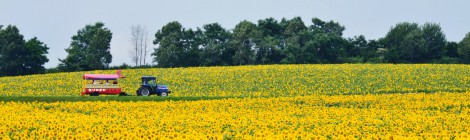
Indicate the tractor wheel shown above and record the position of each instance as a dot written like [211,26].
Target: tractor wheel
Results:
[143,91]
[122,94]
[163,94]
[95,94]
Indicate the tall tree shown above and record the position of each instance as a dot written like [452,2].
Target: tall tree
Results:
[330,44]
[464,49]
[177,47]
[271,46]
[393,41]
[36,56]
[246,36]
[215,46]
[319,43]
[411,43]
[170,48]
[192,40]
[294,32]
[18,57]
[139,48]
[435,41]
[89,49]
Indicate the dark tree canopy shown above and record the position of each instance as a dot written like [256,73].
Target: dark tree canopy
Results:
[20,57]
[89,49]
[215,46]
[246,37]
[271,45]
[177,46]
[464,48]
[411,43]
[291,41]
[269,41]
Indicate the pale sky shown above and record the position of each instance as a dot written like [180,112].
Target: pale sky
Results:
[54,22]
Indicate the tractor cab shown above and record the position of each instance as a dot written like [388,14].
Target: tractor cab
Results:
[149,86]
[149,80]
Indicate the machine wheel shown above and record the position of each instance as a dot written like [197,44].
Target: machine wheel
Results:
[163,94]
[95,94]
[122,94]
[143,91]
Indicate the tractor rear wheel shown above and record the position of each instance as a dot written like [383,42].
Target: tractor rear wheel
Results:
[143,91]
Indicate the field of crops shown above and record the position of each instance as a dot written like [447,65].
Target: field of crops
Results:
[265,81]
[347,101]
[386,116]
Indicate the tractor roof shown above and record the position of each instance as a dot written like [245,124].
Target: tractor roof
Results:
[148,77]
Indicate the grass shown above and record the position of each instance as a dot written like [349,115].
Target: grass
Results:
[100,98]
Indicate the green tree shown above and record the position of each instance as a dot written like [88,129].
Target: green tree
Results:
[450,54]
[270,47]
[451,49]
[36,57]
[177,47]
[216,49]
[170,48]
[328,43]
[294,31]
[18,57]
[89,49]
[411,43]
[413,47]
[319,43]
[435,42]
[191,42]
[330,27]
[393,42]
[357,49]
[246,36]
[464,49]
[330,47]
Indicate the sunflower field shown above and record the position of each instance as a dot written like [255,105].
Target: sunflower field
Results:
[385,116]
[344,101]
[262,81]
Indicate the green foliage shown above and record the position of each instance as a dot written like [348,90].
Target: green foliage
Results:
[464,48]
[20,57]
[177,46]
[451,49]
[411,43]
[320,43]
[246,37]
[269,49]
[216,49]
[89,49]
[290,41]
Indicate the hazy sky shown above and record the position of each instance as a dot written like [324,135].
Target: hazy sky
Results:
[54,22]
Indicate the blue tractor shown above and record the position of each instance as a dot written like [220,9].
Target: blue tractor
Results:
[149,87]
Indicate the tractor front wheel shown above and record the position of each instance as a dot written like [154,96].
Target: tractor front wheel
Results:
[143,91]
[163,94]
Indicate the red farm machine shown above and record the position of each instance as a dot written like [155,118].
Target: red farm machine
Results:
[100,84]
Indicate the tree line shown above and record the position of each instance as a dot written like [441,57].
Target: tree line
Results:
[291,41]
[269,41]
